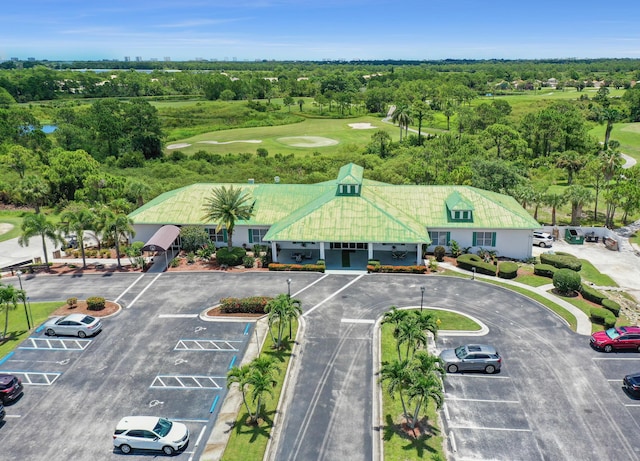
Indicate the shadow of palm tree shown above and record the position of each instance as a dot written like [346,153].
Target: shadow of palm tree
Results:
[261,429]
[415,444]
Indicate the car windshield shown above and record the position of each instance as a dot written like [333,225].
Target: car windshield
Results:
[461,352]
[163,427]
[612,333]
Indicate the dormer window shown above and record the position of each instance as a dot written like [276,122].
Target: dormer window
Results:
[459,208]
[350,180]
[464,215]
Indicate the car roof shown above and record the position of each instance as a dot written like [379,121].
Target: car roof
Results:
[630,329]
[137,422]
[75,317]
[6,379]
[481,348]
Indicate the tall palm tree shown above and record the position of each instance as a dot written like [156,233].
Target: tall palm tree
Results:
[261,383]
[554,201]
[118,226]
[411,334]
[578,196]
[422,388]
[422,112]
[402,117]
[429,322]
[282,310]
[38,224]
[77,219]
[240,376]
[226,206]
[397,375]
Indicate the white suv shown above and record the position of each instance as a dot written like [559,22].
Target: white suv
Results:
[542,239]
[150,433]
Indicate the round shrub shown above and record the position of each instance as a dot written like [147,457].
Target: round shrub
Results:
[248,262]
[95,303]
[230,258]
[508,270]
[566,281]
[602,317]
[193,238]
[72,302]
[612,306]
[439,252]
[544,270]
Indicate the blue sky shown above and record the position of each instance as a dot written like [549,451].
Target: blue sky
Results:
[316,30]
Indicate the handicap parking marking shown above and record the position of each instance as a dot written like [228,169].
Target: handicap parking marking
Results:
[187,382]
[208,345]
[35,378]
[55,344]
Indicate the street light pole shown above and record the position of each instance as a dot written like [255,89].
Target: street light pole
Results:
[421,297]
[24,301]
[289,288]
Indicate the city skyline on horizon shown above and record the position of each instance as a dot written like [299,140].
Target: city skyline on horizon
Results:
[298,30]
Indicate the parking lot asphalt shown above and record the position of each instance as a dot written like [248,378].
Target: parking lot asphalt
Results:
[555,398]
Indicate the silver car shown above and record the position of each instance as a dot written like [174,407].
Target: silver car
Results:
[542,239]
[471,357]
[73,325]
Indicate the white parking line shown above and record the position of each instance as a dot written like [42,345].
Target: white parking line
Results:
[475,375]
[13,416]
[143,290]
[128,288]
[333,295]
[637,359]
[632,404]
[502,429]
[177,316]
[358,321]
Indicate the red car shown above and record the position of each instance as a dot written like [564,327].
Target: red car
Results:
[617,338]
[10,388]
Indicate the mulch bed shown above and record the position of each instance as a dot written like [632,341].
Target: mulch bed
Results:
[216,312]
[81,308]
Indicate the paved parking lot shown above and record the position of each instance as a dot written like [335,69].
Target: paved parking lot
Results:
[555,398]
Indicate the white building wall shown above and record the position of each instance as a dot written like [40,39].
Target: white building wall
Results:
[515,244]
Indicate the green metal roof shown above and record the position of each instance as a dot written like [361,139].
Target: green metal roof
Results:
[314,212]
[455,201]
[350,174]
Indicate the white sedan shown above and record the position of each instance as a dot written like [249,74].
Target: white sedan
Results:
[79,325]
[542,239]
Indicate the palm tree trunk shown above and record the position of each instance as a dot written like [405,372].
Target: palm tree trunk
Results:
[44,247]
[117,237]
[84,259]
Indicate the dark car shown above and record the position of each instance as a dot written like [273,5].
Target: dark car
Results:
[619,338]
[2,412]
[632,384]
[10,388]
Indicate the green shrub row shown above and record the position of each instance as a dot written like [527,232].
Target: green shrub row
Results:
[602,316]
[566,281]
[249,305]
[611,305]
[544,270]
[397,269]
[507,270]
[561,261]
[297,267]
[95,303]
[469,261]
[591,294]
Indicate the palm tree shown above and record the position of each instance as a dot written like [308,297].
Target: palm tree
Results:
[422,388]
[261,383]
[118,226]
[77,218]
[397,376]
[395,316]
[554,201]
[410,333]
[9,297]
[422,112]
[578,196]
[240,376]
[37,224]
[429,322]
[282,309]
[34,191]
[402,117]
[226,206]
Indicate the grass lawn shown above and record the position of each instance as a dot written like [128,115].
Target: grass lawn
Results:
[17,330]
[590,274]
[13,218]
[249,442]
[270,137]
[627,134]
[454,321]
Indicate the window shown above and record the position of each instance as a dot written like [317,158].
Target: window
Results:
[218,237]
[347,246]
[256,235]
[484,239]
[439,238]
[462,215]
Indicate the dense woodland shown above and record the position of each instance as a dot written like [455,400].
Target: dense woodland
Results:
[111,133]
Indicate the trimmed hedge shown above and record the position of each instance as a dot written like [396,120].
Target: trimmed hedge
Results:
[591,294]
[397,269]
[95,303]
[230,258]
[249,305]
[566,281]
[561,261]
[544,270]
[439,253]
[469,261]
[507,270]
[602,316]
[611,305]
[297,267]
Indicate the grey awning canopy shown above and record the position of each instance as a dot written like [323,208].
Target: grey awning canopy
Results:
[162,239]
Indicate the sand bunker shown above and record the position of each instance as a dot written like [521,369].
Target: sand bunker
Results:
[251,141]
[178,146]
[307,141]
[362,126]
[5,227]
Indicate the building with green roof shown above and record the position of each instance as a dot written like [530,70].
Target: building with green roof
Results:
[351,219]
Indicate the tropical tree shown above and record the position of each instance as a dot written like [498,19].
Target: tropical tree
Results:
[240,376]
[572,162]
[424,387]
[402,117]
[226,206]
[282,310]
[578,196]
[410,334]
[380,141]
[77,218]
[554,201]
[37,224]
[422,112]
[34,190]
[262,382]
[118,226]
[429,322]
[397,375]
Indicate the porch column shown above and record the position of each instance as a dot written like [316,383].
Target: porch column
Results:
[370,250]
[322,250]
[419,255]
[274,252]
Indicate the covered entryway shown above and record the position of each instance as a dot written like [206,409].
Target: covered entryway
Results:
[164,241]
